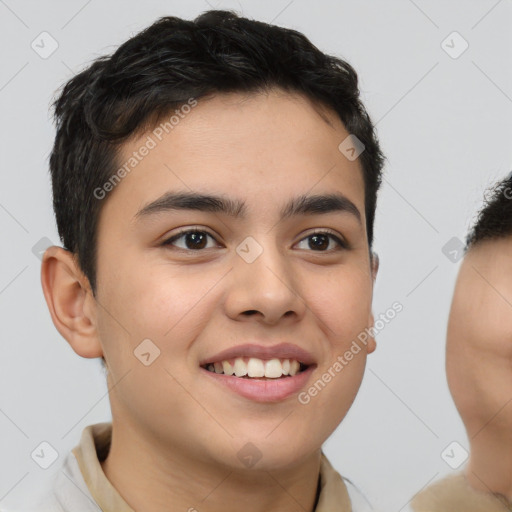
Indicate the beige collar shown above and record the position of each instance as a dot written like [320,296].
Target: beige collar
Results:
[95,443]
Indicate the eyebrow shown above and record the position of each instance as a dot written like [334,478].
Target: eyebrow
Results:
[301,205]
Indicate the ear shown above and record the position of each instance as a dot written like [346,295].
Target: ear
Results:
[70,301]
[371,344]
[375,265]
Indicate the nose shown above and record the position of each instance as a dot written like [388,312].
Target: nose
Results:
[266,289]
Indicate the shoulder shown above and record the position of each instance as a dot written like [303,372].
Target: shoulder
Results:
[45,502]
[454,493]
[67,492]
[358,500]
[339,492]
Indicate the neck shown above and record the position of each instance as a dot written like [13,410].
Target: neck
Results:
[149,478]
[490,465]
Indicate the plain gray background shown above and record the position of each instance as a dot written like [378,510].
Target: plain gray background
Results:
[444,122]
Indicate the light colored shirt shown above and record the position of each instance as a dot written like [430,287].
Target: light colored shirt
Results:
[81,484]
[454,494]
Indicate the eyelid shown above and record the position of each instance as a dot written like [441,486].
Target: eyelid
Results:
[186,230]
[340,240]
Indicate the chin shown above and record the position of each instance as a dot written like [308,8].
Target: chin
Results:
[268,454]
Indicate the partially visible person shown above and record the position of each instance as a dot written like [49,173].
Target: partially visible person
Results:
[479,365]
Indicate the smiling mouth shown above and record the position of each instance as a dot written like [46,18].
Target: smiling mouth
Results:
[255,368]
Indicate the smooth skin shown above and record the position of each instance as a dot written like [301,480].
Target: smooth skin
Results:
[175,435]
[479,362]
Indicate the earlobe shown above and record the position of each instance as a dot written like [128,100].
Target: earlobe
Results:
[67,293]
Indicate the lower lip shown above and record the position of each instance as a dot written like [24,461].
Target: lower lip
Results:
[259,390]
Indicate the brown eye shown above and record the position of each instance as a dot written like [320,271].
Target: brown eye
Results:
[320,242]
[191,239]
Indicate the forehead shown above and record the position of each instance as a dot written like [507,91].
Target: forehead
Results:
[249,145]
[480,319]
[486,274]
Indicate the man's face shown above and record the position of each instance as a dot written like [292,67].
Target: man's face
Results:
[253,281]
[479,338]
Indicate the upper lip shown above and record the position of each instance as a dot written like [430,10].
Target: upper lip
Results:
[280,351]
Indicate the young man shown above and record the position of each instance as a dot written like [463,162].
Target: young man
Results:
[215,186]
[479,365]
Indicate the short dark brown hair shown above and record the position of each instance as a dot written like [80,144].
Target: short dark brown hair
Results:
[159,69]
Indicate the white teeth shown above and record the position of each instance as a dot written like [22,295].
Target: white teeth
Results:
[256,368]
[294,367]
[227,368]
[240,367]
[273,369]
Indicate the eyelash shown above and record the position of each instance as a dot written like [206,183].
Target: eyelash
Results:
[342,245]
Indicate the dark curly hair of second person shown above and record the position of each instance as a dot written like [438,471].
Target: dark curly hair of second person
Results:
[494,220]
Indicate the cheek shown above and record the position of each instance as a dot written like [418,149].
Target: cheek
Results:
[138,304]
[167,306]
[341,306]
[479,369]
[341,303]
[481,321]
[497,335]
